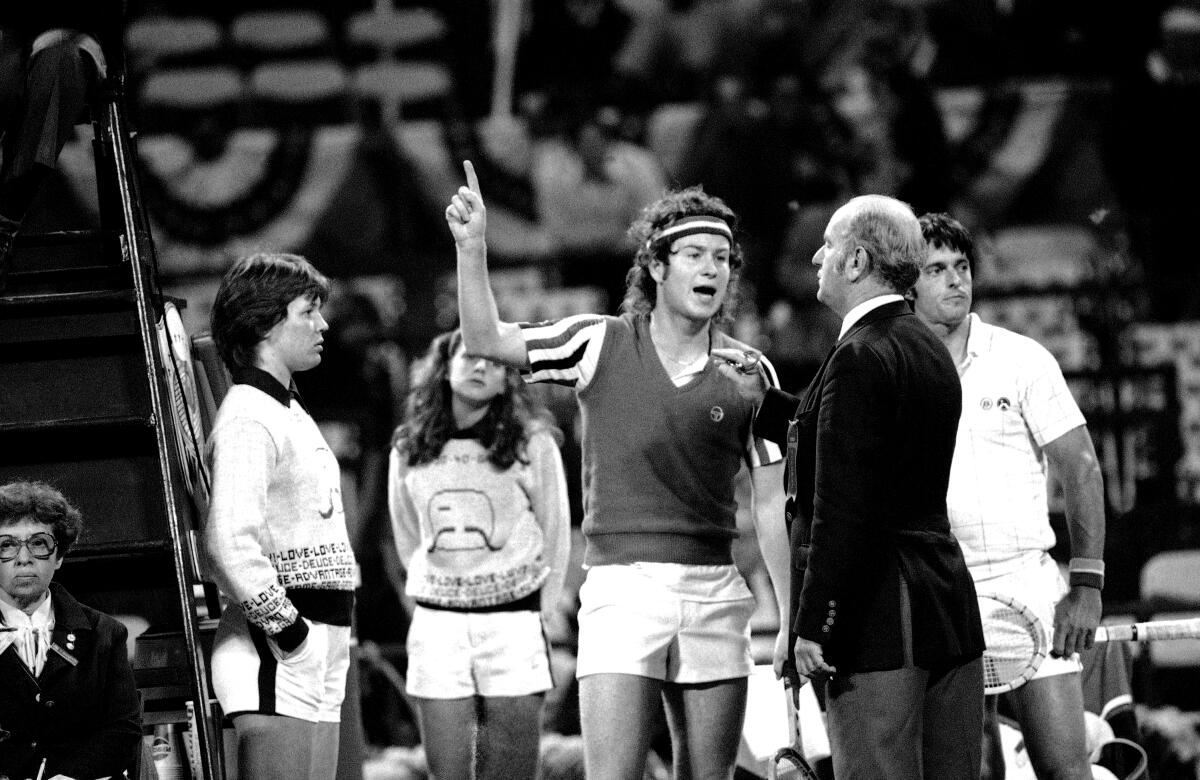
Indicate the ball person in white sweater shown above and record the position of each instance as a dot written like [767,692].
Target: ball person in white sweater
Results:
[479,511]
[275,537]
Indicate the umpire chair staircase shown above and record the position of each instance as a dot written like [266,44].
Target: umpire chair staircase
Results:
[93,401]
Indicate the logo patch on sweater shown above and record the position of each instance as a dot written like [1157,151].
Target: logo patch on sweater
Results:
[717,414]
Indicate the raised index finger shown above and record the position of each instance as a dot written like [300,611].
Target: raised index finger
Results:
[472,179]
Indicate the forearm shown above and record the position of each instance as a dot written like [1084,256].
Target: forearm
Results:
[405,524]
[1084,506]
[772,535]
[483,333]
[553,512]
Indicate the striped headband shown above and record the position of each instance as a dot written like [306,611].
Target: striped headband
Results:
[690,226]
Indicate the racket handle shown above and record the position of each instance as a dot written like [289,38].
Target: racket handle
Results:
[1152,630]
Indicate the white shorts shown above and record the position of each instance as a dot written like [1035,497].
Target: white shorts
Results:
[1039,586]
[251,674]
[668,621]
[453,655]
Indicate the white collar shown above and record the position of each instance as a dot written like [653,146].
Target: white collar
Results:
[860,311]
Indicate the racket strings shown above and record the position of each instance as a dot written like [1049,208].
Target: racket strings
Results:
[788,764]
[1012,644]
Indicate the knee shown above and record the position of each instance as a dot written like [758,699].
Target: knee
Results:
[62,61]
[253,728]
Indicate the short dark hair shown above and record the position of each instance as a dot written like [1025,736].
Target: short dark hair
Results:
[41,503]
[942,231]
[641,290]
[254,297]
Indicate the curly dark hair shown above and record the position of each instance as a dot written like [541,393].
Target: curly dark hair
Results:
[254,297]
[942,231]
[641,290]
[505,430]
[41,503]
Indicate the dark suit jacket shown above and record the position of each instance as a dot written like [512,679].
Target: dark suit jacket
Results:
[85,718]
[876,430]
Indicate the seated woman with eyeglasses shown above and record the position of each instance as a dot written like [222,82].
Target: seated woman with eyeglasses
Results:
[69,708]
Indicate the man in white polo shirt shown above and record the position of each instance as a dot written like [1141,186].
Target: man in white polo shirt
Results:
[1018,419]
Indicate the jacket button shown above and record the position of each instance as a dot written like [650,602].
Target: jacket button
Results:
[49,704]
[832,603]
[825,629]
[832,612]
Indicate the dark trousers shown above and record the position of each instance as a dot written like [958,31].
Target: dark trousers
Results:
[908,723]
[42,98]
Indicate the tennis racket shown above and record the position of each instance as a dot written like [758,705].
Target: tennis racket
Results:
[1018,642]
[789,762]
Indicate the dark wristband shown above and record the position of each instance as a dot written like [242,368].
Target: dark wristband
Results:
[293,636]
[1088,572]
[1087,579]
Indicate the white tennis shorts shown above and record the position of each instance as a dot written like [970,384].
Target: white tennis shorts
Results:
[453,655]
[251,674]
[673,622]
[1039,586]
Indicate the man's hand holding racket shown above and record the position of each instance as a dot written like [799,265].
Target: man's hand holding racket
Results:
[809,660]
[1076,617]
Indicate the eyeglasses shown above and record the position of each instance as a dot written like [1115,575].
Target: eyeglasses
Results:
[41,546]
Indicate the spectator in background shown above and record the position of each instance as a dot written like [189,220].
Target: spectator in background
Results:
[677,47]
[50,60]
[893,141]
[1156,162]
[589,185]
[485,565]
[70,707]
[570,44]
[736,156]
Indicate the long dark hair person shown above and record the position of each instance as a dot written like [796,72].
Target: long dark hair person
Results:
[429,419]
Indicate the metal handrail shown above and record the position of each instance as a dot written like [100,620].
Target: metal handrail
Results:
[137,248]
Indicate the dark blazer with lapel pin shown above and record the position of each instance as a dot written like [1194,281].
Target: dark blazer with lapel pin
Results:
[83,717]
[875,435]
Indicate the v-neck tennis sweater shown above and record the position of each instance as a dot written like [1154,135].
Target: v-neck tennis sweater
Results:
[659,461]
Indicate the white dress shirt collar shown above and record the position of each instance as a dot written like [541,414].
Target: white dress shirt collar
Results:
[860,311]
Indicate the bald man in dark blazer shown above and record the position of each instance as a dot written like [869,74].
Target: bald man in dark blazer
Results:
[882,603]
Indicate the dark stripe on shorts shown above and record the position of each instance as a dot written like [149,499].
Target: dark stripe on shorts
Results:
[530,603]
[267,666]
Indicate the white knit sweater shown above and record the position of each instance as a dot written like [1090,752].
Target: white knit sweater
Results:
[472,536]
[275,521]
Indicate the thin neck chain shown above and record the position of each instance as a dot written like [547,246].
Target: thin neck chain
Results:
[676,360]
[663,351]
